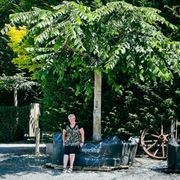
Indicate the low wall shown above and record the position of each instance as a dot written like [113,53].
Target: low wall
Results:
[108,152]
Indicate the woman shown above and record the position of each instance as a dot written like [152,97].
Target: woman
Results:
[73,138]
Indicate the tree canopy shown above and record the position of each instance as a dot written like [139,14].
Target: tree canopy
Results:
[117,35]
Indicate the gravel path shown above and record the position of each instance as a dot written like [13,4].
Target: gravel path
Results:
[25,166]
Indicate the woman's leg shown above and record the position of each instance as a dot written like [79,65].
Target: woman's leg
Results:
[72,158]
[65,160]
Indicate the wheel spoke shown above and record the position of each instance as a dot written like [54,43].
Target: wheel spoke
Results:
[162,129]
[154,135]
[150,141]
[156,151]
[157,132]
[151,145]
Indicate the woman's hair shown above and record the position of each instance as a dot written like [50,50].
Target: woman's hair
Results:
[71,115]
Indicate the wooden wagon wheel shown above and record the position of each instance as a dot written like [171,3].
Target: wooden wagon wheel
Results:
[154,143]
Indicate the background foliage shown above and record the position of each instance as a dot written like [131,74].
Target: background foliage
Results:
[127,109]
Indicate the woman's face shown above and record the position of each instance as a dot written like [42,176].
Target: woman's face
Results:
[72,119]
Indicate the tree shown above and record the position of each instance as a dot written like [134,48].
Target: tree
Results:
[16,83]
[7,7]
[114,37]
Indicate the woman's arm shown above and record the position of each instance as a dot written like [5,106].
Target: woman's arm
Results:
[82,135]
[64,136]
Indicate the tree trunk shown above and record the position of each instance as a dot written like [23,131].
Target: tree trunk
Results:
[15,97]
[97,106]
[16,104]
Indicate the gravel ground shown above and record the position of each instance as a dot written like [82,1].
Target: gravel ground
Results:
[25,166]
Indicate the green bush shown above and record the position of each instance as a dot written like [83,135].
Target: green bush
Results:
[126,112]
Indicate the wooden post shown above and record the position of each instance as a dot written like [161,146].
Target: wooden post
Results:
[37,152]
[97,106]
[34,130]
[174,129]
[34,119]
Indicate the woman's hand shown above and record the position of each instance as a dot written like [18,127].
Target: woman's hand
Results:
[81,144]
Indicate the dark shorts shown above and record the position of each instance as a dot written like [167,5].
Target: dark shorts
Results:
[71,149]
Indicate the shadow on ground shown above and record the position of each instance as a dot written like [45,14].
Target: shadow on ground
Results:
[20,164]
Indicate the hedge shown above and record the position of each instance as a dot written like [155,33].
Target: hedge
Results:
[14,123]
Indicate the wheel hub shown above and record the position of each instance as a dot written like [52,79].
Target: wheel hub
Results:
[162,139]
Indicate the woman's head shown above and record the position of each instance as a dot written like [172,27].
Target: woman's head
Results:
[72,118]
